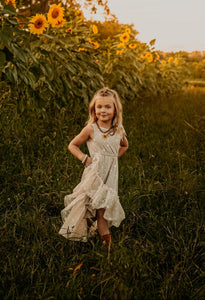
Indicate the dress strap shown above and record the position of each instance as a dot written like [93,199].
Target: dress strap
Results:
[94,128]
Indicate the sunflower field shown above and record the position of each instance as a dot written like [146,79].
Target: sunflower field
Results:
[58,56]
[51,64]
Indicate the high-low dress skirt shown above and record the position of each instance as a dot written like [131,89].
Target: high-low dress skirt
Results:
[97,189]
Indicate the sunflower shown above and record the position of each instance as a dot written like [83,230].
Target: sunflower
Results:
[11,2]
[95,44]
[38,24]
[170,60]
[176,61]
[163,62]
[121,45]
[104,136]
[79,13]
[119,51]
[60,23]
[143,56]
[69,30]
[132,46]
[127,30]
[82,49]
[125,37]
[95,29]
[55,14]
[149,57]
[158,57]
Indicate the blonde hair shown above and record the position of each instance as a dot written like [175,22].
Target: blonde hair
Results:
[117,119]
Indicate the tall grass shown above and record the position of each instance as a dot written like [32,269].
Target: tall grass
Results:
[158,251]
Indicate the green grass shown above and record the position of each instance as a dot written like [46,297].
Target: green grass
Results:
[158,251]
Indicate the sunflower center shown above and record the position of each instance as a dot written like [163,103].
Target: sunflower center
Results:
[55,13]
[38,24]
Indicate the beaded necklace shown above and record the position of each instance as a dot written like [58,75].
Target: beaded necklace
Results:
[104,133]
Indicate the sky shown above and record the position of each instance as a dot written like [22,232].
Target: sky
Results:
[175,24]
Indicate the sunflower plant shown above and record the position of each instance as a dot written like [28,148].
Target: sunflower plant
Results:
[11,2]
[134,68]
[15,55]
[56,15]
[49,65]
[38,24]
[60,56]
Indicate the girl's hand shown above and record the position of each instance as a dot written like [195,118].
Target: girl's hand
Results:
[88,161]
[123,146]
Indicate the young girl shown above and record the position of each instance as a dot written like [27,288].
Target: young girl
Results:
[96,196]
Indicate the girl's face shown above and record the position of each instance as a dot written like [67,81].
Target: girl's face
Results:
[105,109]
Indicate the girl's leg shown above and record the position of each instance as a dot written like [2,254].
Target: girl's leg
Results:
[103,229]
[102,223]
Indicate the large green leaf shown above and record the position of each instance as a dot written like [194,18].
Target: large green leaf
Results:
[9,74]
[9,10]
[6,36]
[20,54]
[47,69]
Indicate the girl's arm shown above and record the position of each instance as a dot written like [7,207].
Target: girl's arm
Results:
[82,137]
[123,146]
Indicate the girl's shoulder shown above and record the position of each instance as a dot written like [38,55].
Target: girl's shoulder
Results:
[88,130]
[88,127]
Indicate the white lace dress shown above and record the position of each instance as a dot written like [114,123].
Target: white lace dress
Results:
[98,189]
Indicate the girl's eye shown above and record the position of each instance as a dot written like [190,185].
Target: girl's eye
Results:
[100,106]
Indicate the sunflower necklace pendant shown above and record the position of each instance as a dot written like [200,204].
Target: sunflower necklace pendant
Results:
[104,133]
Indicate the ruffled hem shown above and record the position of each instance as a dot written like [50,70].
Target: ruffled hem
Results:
[88,196]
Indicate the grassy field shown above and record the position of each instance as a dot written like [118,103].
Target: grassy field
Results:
[158,251]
